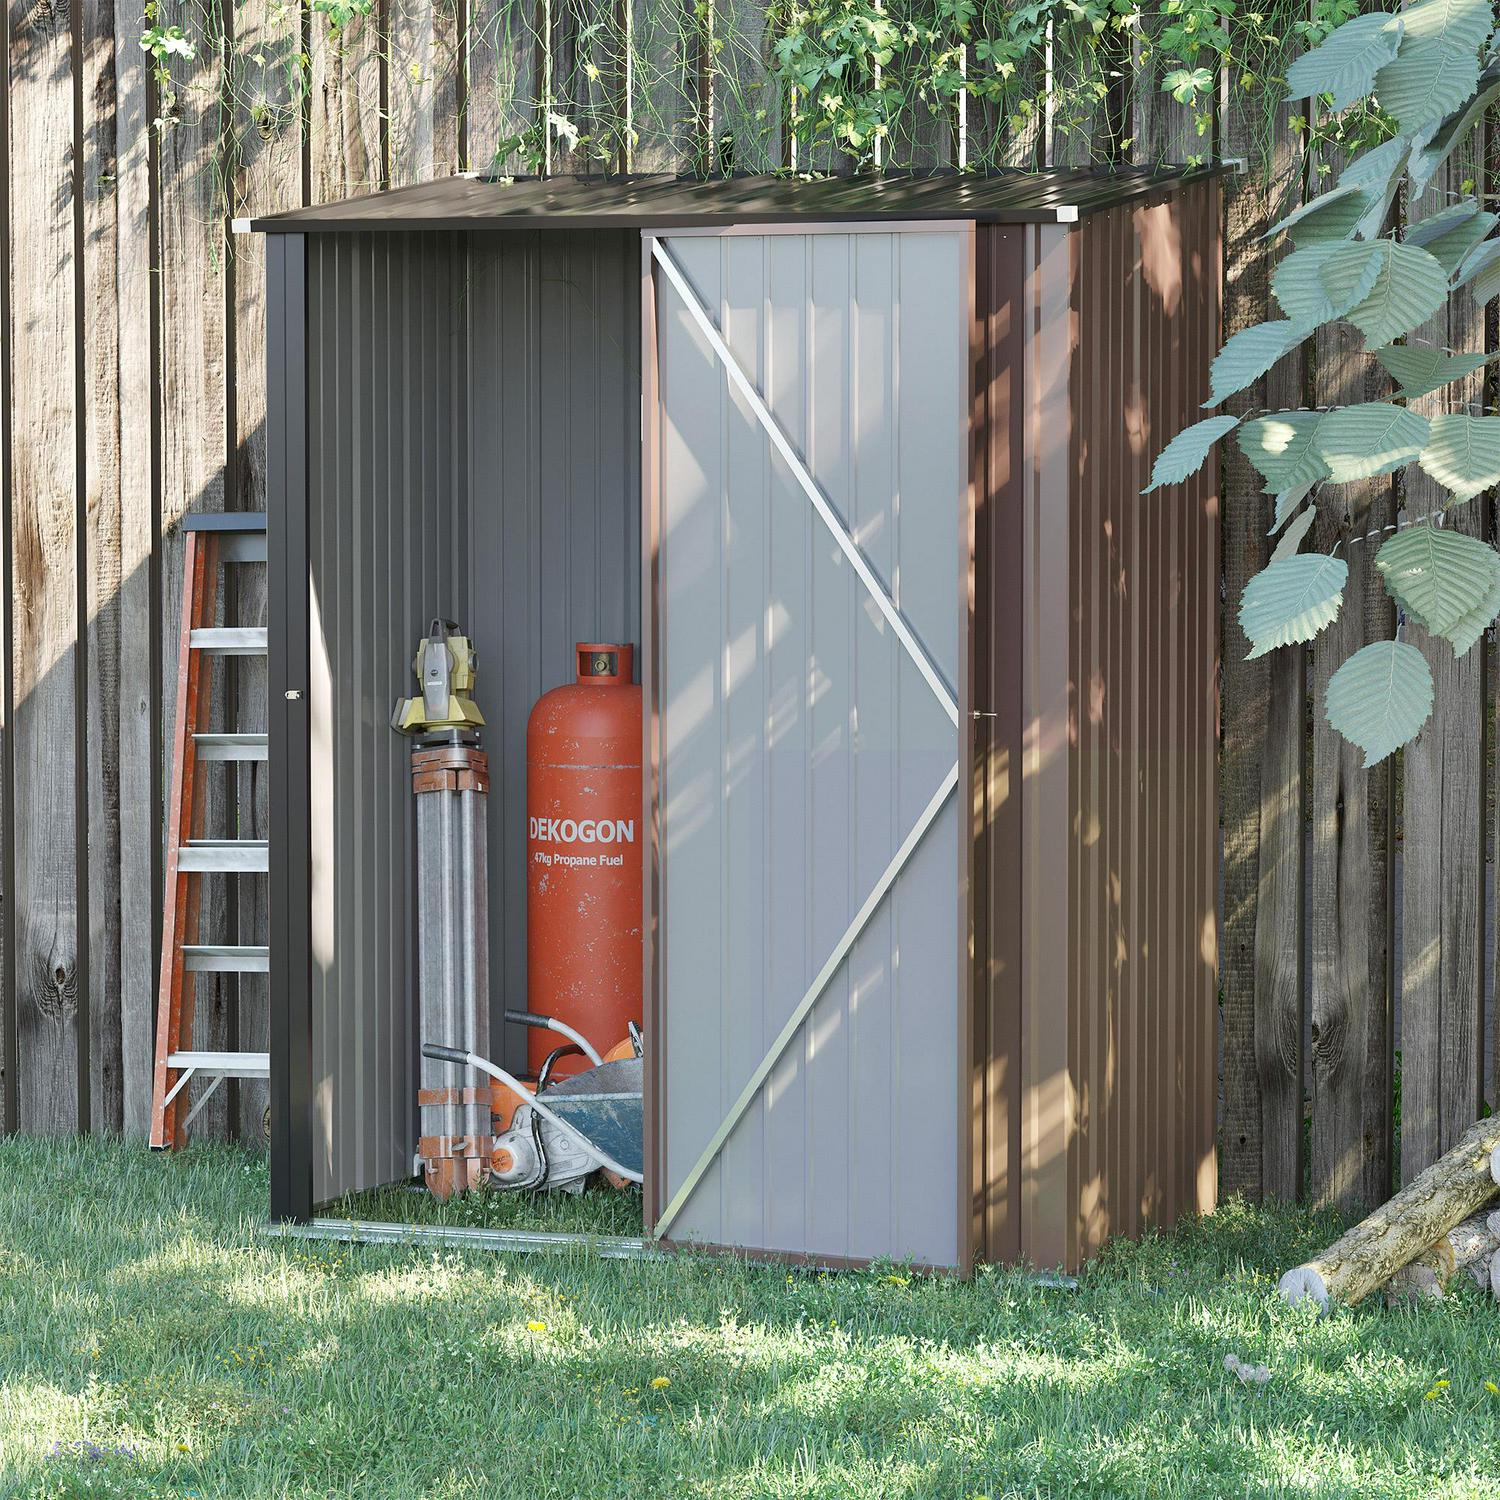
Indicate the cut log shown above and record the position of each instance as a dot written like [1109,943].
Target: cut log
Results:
[1420,1215]
[1468,1246]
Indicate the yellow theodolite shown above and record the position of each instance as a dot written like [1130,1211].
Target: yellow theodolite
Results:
[445,667]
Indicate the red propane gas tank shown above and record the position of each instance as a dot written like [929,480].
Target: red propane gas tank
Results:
[583,855]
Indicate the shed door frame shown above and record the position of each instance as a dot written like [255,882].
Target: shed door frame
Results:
[656,260]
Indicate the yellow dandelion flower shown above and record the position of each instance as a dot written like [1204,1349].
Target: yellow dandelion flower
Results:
[184,1447]
[535,1327]
[897,1280]
[1492,1388]
[1430,1396]
[660,1383]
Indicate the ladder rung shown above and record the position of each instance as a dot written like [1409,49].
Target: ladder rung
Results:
[224,856]
[251,521]
[230,640]
[242,547]
[218,958]
[231,746]
[223,1064]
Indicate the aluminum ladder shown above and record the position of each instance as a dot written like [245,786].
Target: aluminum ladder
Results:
[209,542]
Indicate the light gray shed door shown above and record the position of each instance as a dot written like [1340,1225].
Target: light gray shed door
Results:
[811,491]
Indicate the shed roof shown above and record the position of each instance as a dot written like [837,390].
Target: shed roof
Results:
[642,202]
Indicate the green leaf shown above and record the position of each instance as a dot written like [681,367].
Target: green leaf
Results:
[1427,158]
[1437,575]
[1479,260]
[1287,501]
[1325,219]
[1291,600]
[1420,371]
[1345,64]
[1408,288]
[1376,168]
[1465,24]
[1281,448]
[1186,452]
[1463,453]
[1463,634]
[1378,171]
[1449,236]
[1436,69]
[1481,272]
[1356,442]
[1486,284]
[1300,289]
[1249,354]
[1426,82]
[1292,538]
[1380,698]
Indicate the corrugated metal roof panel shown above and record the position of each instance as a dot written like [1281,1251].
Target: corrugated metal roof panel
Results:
[635,202]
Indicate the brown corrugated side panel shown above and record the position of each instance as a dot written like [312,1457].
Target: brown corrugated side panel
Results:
[995,756]
[1094,787]
[1144,660]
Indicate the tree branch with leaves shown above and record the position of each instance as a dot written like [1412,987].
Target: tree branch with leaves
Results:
[1432,69]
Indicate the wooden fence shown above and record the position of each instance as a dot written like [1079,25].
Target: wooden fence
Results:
[133,393]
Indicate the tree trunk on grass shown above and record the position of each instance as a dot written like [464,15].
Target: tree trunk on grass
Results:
[1414,1221]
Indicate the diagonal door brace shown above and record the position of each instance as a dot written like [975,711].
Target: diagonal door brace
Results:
[810,487]
[914,650]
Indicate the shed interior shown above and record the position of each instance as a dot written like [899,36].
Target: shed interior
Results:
[496,375]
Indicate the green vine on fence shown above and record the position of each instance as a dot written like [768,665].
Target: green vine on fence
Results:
[810,85]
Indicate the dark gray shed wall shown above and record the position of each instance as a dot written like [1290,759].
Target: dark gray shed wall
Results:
[379,307]
[554,362]
[474,432]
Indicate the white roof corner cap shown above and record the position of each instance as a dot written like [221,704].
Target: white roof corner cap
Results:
[1236,164]
[239,226]
[1068,214]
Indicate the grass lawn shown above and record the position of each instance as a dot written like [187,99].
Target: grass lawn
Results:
[153,1342]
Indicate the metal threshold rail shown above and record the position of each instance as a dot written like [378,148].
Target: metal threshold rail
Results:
[525,1241]
[560,1242]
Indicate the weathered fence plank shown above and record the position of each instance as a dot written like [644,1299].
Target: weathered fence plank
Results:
[265,175]
[504,83]
[668,85]
[746,96]
[50,964]
[1443,848]
[193,215]
[139,780]
[99,314]
[346,132]
[1261,794]
[426,78]
[1349,875]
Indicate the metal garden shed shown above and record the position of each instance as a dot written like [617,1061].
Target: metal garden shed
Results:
[930,687]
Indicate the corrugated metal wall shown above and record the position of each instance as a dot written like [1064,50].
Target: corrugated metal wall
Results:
[798,744]
[474,453]
[1143,993]
[556,476]
[1115,595]
[387,520]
